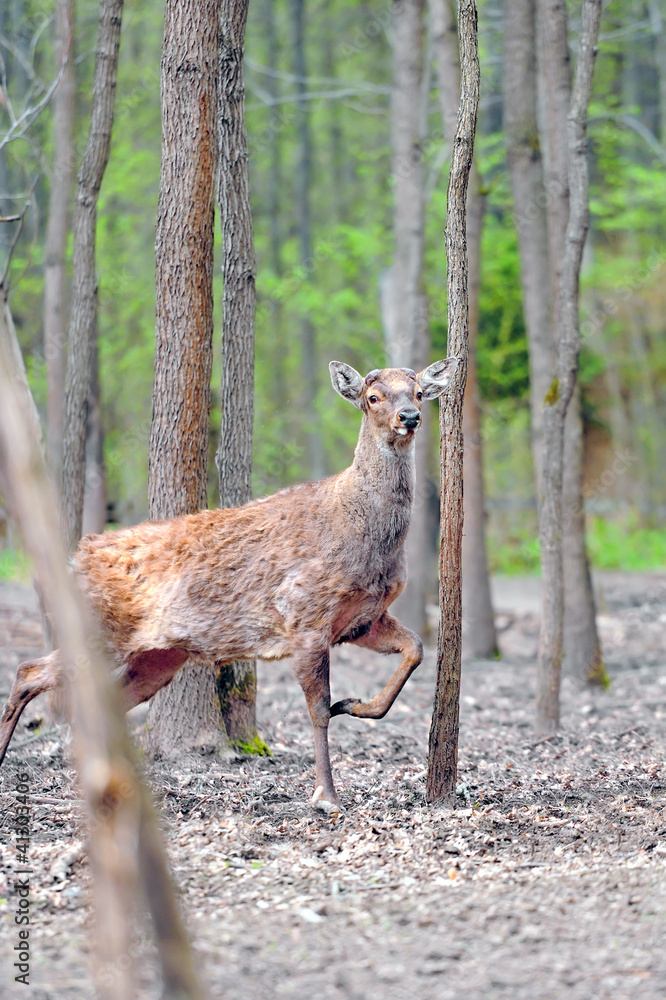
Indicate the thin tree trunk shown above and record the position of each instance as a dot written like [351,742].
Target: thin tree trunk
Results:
[559,396]
[237,682]
[274,192]
[581,647]
[480,637]
[185,714]
[274,180]
[657,20]
[95,496]
[443,750]
[57,229]
[526,171]
[84,298]
[407,331]
[124,842]
[303,185]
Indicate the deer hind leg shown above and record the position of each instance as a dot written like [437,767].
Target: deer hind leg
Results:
[32,678]
[311,668]
[387,635]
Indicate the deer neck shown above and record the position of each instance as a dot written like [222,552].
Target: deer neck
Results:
[385,478]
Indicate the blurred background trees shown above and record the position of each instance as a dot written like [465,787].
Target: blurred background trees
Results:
[323,180]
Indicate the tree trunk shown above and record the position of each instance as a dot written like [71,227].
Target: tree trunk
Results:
[407,331]
[443,750]
[95,497]
[57,229]
[237,682]
[185,714]
[84,298]
[657,22]
[559,396]
[480,637]
[526,172]
[581,647]
[124,845]
[303,184]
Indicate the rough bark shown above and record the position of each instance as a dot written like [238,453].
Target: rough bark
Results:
[186,713]
[581,647]
[57,229]
[443,750]
[406,331]
[236,683]
[304,225]
[84,293]
[559,396]
[480,637]
[527,185]
[124,845]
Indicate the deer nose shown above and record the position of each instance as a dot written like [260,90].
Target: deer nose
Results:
[409,418]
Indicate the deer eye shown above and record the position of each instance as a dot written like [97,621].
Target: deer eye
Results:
[419,395]
[372,399]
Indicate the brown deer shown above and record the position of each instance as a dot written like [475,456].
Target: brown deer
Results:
[292,574]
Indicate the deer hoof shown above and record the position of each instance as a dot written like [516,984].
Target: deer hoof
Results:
[330,806]
[345,707]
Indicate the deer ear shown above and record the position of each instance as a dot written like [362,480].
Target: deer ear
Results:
[346,381]
[437,377]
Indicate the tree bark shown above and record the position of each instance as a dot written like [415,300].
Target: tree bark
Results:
[57,229]
[124,843]
[443,750]
[479,635]
[185,714]
[657,22]
[84,297]
[303,185]
[95,496]
[581,647]
[559,396]
[406,320]
[527,186]
[237,682]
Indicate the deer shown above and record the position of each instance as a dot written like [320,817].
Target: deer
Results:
[290,575]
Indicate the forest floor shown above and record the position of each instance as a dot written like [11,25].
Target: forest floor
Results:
[548,881]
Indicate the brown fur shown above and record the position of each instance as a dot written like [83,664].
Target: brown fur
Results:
[290,575]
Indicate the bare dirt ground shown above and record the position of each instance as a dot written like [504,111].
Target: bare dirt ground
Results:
[548,881]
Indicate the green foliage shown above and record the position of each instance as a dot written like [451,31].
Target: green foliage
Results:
[624,544]
[15,566]
[612,544]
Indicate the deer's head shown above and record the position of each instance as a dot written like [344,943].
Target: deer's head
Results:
[392,397]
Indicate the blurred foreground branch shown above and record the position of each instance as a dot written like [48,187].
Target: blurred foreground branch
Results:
[125,848]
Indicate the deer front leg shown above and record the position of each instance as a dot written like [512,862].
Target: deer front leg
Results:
[32,678]
[311,668]
[387,635]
